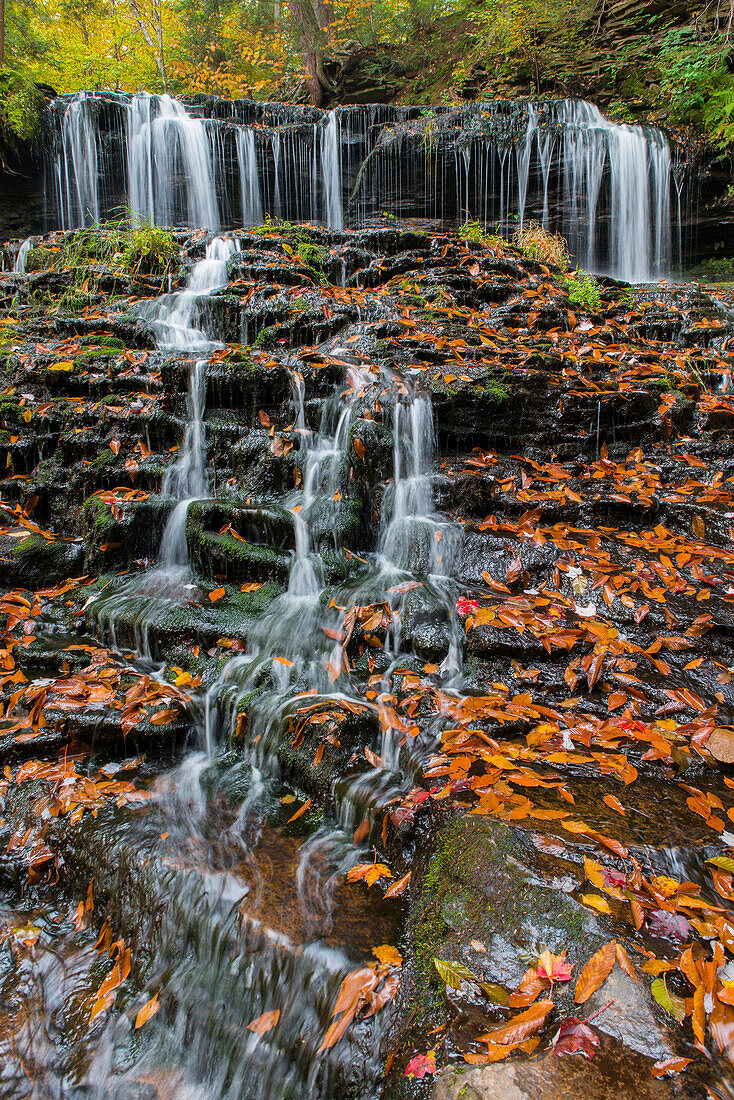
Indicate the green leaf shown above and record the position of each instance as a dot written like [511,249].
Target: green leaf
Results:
[672,1004]
[726,863]
[454,973]
[495,992]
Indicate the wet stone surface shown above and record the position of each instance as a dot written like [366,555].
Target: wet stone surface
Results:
[368,611]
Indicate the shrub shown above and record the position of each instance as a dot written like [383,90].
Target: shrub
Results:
[537,243]
[21,104]
[584,290]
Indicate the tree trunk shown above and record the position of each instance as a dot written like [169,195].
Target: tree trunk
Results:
[2,33]
[312,39]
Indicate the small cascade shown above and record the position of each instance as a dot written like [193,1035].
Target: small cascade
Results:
[174,317]
[20,259]
[142,598]
[252,210]
[611,189]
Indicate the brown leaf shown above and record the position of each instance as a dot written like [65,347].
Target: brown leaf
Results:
[359,449]
[596,971]
[115,446]
[263,418]
[521,1026]
[265,1023]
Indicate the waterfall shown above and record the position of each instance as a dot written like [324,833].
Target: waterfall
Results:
[173,316]
[20,259]
[331,172]
[252,211]
[170,169]
[605,186]
[77,175]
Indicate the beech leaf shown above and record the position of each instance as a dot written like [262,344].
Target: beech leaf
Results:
[596,971]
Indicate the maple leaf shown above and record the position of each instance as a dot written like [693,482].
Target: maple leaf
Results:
[576,1037]
[554,967]
[465,606]
[421,1066]
[370,872]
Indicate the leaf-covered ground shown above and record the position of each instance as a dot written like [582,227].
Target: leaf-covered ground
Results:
[559,853]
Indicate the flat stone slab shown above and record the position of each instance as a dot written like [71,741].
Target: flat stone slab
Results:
[615,1073]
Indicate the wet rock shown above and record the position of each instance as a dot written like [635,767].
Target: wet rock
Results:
[616,1071]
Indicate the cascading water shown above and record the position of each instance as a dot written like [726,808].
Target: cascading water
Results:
[609,188]
[173,317]
[20,259]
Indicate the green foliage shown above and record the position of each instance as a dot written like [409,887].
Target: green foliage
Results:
[21,104]
[473,231]
[697,83]
[584,291]
[149,250]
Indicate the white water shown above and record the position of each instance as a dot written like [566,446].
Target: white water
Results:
[252,210]
[170,170]
[174,317]
[608,188]
[20,259]
[331,173]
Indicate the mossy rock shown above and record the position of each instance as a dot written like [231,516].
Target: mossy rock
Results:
[36,562]
[485,882]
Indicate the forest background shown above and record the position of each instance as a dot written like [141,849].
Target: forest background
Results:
[670,61]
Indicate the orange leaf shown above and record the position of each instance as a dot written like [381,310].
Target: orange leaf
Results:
[265,1023]
[624,962]
[115,446]
[149,1009]
[596,971]
[615,804]
[163,717]
[250,586]
[398,887]
[359,449]
[298,813]
[216,594]
[519,1027]
[388,956]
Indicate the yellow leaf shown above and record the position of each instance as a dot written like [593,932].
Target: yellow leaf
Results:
[149,1009]
[595,902]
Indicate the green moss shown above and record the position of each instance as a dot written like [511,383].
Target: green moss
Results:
[21,104]
[266,337]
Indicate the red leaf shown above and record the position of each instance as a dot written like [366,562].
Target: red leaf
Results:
[421,1065]
[576,1037]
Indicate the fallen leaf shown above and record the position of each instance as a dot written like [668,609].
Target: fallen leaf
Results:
[421,1066]
[149,1009]
[265,1023]
[596,971]
[576,1037]
[520,1026]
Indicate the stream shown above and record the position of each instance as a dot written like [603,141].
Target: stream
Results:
[368,619]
